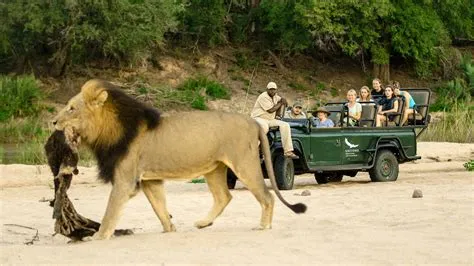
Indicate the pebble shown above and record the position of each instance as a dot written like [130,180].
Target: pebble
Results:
[306,193]
[417,193]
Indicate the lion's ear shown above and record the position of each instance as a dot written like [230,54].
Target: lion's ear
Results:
[101,98]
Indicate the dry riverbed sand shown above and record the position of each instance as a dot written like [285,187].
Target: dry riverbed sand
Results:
[355,221]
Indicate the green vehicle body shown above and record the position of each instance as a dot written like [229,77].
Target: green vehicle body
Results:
[331,153]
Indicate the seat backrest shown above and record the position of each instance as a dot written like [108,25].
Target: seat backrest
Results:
[421,97]
[367,117]
[335,115]
[401,110]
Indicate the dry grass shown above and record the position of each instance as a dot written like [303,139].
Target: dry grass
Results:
[454,126]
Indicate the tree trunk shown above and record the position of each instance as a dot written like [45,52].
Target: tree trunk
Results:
[382,72]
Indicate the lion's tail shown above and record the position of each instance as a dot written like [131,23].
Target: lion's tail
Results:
[298,207]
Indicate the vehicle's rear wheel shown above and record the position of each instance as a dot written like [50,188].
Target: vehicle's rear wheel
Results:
[284,172]
[323,178]
[385,167]
[231,179]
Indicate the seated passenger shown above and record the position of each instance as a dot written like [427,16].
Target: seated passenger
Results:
[322,119]
[354,109]
[295,112]
[365,95]
[377,92]
[409,102]
[387,104]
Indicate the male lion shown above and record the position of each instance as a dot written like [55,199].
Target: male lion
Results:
[135,147]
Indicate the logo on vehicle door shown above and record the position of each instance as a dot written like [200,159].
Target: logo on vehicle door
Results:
[351,146]
[352,152]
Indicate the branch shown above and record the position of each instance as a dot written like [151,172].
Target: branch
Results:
[35,237]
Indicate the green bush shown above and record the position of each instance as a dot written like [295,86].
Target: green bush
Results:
[203,21]
[469,165]
[19,97]
[194,93]
[213,89]
[59,33]
[459,91]
[197,90]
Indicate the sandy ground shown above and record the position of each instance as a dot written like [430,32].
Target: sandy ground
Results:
[353,222]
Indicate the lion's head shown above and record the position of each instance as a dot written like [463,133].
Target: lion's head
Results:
[107,120]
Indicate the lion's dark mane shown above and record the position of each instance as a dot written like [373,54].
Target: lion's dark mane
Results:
[131,114]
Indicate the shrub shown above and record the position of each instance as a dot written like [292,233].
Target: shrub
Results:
[19,97]
[59,33]
[459,91]
[469,165]
[196,90]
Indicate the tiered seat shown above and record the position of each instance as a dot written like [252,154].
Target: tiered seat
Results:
[422,102]
[368,115]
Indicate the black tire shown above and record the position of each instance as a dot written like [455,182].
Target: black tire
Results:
[284,172]
[231,179]
[323,178]
[385,168]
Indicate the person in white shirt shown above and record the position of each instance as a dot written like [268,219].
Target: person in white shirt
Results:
[264,112]
[354,108]
[365,95]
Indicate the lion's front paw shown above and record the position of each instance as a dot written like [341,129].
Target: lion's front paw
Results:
[202,224]
[96,236]
[171,228]
[263,227]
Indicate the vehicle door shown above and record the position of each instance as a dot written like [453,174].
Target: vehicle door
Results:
[355,145]
[325,147]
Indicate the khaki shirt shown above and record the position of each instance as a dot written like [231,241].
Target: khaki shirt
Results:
[265,102]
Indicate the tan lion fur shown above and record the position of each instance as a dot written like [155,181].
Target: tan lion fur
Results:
[183,145]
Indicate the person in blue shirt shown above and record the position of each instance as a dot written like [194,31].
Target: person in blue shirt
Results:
[409,102]
[322,119]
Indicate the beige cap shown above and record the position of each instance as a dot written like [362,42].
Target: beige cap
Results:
[271,85]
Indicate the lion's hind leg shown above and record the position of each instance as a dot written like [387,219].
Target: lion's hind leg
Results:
[155,192]
[217,183]
[251,176]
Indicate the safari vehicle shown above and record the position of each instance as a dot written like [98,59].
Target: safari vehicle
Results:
[331,153]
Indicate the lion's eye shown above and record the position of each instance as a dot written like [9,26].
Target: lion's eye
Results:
[71,109]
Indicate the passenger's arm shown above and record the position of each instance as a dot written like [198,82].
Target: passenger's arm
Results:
[379,109]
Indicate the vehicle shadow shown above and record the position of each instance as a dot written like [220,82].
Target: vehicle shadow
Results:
[348,183]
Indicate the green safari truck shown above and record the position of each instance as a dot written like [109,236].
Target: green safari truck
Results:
[332,153]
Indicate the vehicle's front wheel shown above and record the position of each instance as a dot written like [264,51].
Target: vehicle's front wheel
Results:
[323,178]
[385,167]
[284,172]
[231,179]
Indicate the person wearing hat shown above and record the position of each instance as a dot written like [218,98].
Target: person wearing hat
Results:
[296,112]
[322,119]
[264,112]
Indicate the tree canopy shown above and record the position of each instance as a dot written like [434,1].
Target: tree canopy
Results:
[51,35]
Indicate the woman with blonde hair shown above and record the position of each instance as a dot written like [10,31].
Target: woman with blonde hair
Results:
[354,108]
[365,95]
